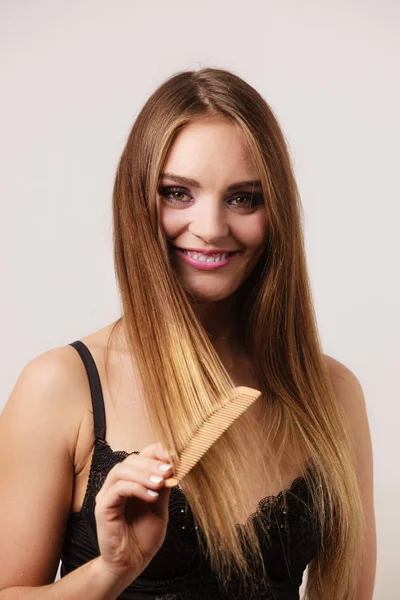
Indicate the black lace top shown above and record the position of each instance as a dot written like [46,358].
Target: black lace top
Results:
[179,571]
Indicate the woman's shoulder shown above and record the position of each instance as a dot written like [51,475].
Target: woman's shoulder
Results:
[52,394]
[60,369]
[346,385]
[349,392]
[350,395]
[335,366]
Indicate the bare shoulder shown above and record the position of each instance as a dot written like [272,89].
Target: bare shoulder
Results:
[349,392]
[51,392]
[39,427]
[350,395]
[339,372]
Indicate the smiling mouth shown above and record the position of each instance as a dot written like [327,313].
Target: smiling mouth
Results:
[203,261]
[208,253]
[207,257]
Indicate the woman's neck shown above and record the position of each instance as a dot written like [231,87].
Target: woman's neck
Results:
[220,320]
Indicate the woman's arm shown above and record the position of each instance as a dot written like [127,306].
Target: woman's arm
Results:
[91,581]
[349,391]
[38,431]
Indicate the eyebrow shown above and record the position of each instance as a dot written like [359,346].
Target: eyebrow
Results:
[194,183]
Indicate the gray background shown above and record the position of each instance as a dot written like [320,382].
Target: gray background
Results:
[75,74]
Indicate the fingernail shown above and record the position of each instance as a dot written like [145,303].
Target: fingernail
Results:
[164,467]
[152,493]
[156,478]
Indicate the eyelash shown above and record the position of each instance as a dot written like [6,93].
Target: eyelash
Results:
[165,191]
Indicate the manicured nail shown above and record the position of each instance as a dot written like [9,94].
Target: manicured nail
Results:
[156,478]
[152,493]
[165,467]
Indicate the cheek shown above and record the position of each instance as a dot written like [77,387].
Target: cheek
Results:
[171,221]
[254,234]
[171,226]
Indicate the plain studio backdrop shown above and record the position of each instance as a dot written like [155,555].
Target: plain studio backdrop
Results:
[74,76]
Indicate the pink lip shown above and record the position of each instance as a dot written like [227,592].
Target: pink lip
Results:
[203,266]
[212,251]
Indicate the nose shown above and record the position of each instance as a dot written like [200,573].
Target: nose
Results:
[210,221]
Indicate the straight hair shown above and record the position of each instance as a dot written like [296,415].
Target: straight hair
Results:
[183,379]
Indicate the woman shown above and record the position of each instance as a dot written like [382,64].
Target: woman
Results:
[211,270]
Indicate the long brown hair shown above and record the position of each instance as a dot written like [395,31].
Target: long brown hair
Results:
[182,376]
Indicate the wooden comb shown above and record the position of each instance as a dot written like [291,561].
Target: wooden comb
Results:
[240,398]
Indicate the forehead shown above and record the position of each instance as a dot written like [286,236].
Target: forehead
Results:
[210,149]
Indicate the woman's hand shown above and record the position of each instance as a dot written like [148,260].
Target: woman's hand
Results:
[131,524]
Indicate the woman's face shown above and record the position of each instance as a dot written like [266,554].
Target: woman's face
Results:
[220,210]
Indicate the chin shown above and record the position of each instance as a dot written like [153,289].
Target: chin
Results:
[210,295]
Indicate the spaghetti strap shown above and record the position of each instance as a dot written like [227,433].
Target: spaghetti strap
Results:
[99,415]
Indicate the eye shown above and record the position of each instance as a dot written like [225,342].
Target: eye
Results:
[175,195]
[171,194]
[248,200]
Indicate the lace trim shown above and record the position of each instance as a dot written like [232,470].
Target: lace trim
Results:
[106,460]
[292,541]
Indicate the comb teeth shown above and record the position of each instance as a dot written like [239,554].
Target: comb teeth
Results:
[218,422]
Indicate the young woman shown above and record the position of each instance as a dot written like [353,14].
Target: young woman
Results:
[214,289]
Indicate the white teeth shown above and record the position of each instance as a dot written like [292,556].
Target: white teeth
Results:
[204,257]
